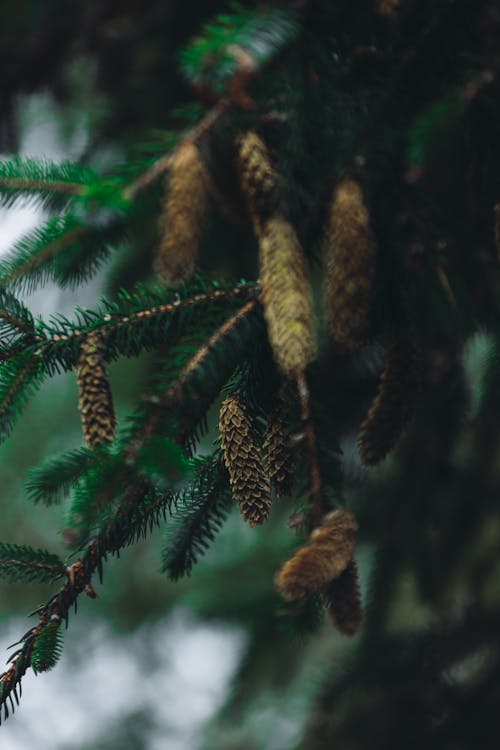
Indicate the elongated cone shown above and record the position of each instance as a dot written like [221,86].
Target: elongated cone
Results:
[394,405]
[260,182]
[342,599]
[286,296]
[95,398]
[350,258]
[243,461]
[388,8]
[278,459]
[325,556]
[184,216]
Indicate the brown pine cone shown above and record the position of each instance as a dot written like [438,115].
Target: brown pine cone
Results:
[342,599]
[184,216]
[394,405]
[350,261]
[327,553]
[95,398]
[243,461]
[260,182]
[286,296]
[278,459]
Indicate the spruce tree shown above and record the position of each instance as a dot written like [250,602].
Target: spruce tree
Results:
[306,244]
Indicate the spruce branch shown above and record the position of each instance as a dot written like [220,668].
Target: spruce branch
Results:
[56,610]
[22,563]
[51,481]
[34,250]
[178,389]
[19,377]
[197,514]
[49,183]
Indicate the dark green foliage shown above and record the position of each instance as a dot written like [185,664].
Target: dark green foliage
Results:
[21,563]
[17,327]
[48,184]
[198,513]
[65,249]
[52,480]
[47,649]
[20,377]
[162,459]
[212,58]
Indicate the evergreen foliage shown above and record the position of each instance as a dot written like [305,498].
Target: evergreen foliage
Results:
[353,153]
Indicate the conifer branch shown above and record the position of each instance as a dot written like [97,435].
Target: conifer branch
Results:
[17,323]
[117,321]
[56,610]
[22,563]
[50,251]
[177,390]
[51,186]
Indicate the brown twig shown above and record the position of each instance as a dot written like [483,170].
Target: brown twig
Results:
[56,186]
[164,162]
[316,499]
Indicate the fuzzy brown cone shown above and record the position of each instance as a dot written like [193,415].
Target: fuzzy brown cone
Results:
[350,263]
[243,461]
[388,8]
[342,599]
[95,399]
[184,216]
[260,182]
[286,296]
[325,556]
[278,460]
[394,405]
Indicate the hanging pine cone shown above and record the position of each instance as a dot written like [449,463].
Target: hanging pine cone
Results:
[350,257]
[327,553]
[286,296]
[260,183]
[184,216]
[95,398]
[342,599]
[244,463]
[388,8]
[278,459]
[394,404]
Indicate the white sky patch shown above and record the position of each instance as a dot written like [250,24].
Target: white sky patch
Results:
[177,671]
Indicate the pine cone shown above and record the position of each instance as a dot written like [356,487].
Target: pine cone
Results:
[184,216]
[328,552]
[342,599]
[286,296]
[393,406]
[388,8]
[244,463]
[278,459]
[95,398]
[350,257]
[259,180]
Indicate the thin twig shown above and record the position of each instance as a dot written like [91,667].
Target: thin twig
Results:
[56,186]
[164,162]
[316,499]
